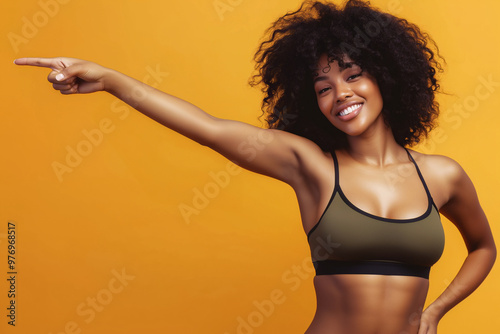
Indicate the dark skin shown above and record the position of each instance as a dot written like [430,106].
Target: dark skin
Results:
[346,304]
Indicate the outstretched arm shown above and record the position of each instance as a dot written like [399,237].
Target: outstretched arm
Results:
[270,152]
[463,210]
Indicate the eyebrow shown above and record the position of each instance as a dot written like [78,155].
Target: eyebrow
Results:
[321,78]
[345,67]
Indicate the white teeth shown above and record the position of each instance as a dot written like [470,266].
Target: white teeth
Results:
[349,110]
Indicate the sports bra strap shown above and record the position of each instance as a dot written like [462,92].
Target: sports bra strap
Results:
[337,182]
[420,176]
[336,165]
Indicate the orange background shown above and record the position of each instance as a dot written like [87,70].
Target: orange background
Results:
[117,211]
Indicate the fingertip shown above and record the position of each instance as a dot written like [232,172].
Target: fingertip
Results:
[14,61]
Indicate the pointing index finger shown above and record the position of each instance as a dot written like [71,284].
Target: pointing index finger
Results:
[41,62]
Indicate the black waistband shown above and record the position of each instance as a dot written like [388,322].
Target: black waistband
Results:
[333,267]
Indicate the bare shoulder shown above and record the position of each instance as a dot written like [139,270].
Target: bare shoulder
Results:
[444,176]
[439,166]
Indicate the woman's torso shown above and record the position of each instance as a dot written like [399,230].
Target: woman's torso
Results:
[359,303]
[368,304]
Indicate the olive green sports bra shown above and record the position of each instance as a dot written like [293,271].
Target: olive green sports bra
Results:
[348,240]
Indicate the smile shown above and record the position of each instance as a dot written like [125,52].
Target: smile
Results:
[349,110]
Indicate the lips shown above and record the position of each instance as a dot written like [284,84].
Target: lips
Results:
[350,111]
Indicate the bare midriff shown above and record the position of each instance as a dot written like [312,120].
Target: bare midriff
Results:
[368,304]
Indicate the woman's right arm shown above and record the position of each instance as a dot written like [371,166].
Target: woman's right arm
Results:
[275,153]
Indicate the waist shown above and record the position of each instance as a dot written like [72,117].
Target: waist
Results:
[363,304]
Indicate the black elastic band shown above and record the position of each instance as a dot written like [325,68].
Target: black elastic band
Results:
[334,267]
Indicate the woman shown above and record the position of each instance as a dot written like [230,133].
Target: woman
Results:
[346,91]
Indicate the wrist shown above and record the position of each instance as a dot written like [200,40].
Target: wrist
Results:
[434,311]
[111,80]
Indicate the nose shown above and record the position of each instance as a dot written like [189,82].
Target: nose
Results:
[343,92]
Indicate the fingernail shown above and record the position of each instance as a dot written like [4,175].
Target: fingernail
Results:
[59,77]
[14,61]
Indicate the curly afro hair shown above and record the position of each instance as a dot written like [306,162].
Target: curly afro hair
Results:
[395,52]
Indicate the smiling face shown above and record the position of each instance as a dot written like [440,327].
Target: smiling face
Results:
[349,97]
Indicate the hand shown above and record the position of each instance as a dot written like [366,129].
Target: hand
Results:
[428,323]
[70,75]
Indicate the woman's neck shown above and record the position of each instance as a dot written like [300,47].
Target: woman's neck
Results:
[376,147]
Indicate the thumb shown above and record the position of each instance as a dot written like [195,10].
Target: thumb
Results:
[60,77]
[71,71]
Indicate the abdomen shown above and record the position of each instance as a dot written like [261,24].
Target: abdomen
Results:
[368,304]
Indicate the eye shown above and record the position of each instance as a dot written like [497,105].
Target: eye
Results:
[354,76]
[323,90]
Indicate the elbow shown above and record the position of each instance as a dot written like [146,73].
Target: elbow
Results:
[206,134]
[493,251]
[490,251]
[493,254]
[487,250]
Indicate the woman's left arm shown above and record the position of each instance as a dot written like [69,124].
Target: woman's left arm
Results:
[465,212]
